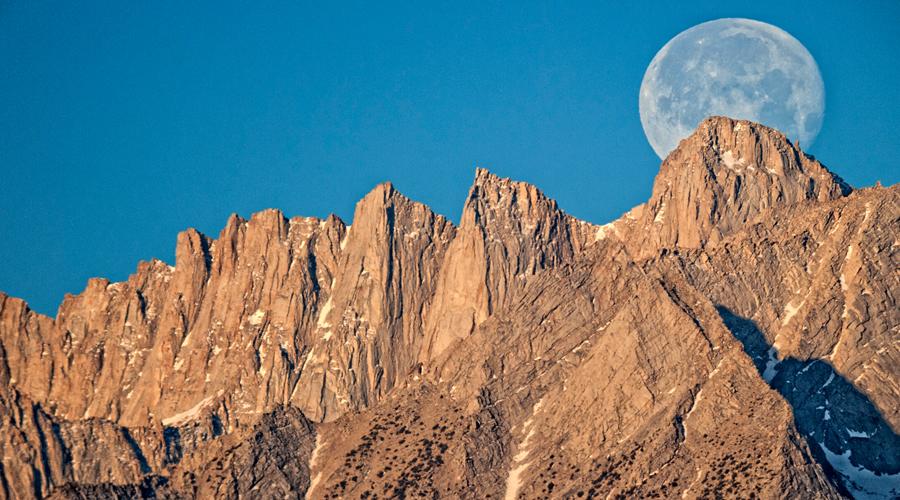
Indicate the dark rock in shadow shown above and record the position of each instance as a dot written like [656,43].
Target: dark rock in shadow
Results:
[136,449]
[847,433]
[172,439]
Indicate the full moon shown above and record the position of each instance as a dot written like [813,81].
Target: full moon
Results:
[739,68]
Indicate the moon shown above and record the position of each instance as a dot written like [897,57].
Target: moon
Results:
[739,68]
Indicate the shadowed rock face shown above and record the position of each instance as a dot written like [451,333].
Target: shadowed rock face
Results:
[733,336]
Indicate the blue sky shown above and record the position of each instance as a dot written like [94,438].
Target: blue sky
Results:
[122,123]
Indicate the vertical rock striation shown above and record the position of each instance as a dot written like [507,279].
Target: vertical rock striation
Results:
[734,336]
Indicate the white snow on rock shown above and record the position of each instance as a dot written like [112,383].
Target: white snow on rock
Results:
[661,214]
[863,483]
[189,414]
[313,461]
[346,237]
[790,310]
[519,461]
[604,231]
[257,318]
[771,366]
[732,162]
[847,258]
[322,322]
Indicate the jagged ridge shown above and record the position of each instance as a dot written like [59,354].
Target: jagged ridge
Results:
[478,328]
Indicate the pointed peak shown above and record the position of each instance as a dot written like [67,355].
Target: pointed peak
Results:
[723,175]
[486,178]
[492,198]
[484,175]
[717,134]
[232,226]
[487,184]
[192,248]
[752,150]
[385,196]
[334,220]
[386,187]
[376,201]
[382,195]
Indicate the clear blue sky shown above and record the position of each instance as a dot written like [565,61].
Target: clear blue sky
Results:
[122,123]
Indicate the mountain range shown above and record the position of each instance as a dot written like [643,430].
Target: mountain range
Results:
[735,336]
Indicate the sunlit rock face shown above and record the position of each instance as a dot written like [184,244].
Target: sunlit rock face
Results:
[732,67]
[733,336]
[722,176]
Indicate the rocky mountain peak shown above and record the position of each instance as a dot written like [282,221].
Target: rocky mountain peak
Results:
[523,354]
[509,231]
[722,176]
[492,199]
[381,193]
[385,213]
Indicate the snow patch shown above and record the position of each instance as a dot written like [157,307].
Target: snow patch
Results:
[847,258]
[849,253]
[257,318]
[604,231]
[661,214]
[732,162]
[187,414]
[693,407]
[346,237]
[313,461]
[519,461]
[790,310]
[771,366]
[322,322]
[857,434]
[862,482]
[581,346]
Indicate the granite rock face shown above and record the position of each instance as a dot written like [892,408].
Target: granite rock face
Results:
[734,336]
[720,178]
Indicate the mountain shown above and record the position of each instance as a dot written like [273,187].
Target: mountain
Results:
[735,336]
